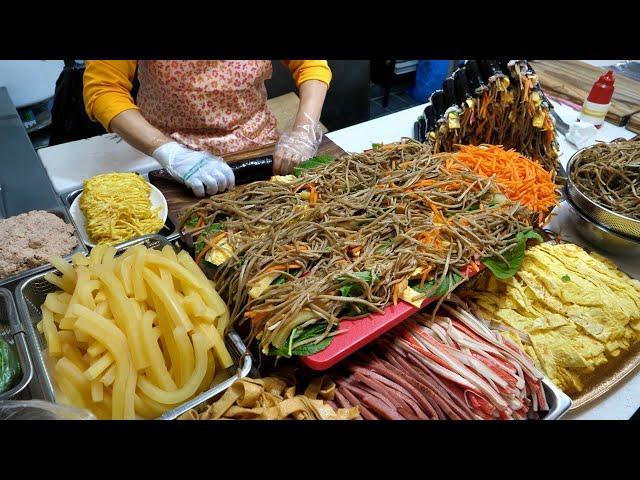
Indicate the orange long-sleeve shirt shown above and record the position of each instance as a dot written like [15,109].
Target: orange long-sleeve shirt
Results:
[107,84]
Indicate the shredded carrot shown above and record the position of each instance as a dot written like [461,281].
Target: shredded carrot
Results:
[281,268]
[430,237]
[473,267]
[396,293]
[203,252]
[297,247]
[421,183]
[217,238]
[313,195]
[425,273]
[210,244]
[520,179]
[451,186]
[313,192]
[453,166]
[437,214]
[255,316]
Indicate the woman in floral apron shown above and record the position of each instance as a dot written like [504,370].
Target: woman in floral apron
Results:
[191,113]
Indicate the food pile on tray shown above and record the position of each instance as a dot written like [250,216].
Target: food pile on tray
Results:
[29,239]
[571,311]
[294,255]
[492,102]
[133,335]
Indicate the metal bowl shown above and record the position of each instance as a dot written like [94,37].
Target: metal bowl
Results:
[602,237]
[604,217]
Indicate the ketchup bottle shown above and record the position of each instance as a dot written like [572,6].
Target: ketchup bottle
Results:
[597,104]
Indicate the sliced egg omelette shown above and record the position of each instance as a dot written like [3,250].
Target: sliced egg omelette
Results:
[577,309]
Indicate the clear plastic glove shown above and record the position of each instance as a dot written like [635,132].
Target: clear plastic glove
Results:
[296,146]
[198,170]
[41,410]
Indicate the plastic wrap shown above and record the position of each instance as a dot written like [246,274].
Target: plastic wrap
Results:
[41,410]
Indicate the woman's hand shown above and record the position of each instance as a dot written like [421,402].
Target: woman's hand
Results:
[303,140]
[296,146]
[198,170]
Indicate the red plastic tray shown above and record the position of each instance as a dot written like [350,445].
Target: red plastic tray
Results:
[358,333]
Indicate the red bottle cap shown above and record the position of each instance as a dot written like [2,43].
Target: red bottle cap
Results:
[602,90]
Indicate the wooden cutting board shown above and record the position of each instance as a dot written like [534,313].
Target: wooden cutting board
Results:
[180,198]
[573,79]
[634,123]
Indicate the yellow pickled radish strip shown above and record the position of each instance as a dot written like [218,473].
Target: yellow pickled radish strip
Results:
[157,369]
[189,387]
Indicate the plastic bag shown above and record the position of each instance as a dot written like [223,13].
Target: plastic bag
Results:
[429,77]
[41,410]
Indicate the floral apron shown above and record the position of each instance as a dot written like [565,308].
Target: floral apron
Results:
[214,105]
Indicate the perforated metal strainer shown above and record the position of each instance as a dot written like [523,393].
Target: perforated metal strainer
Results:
[605,217]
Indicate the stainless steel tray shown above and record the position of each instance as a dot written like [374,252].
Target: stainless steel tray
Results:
[11,331]
[559,402]
[169,231]
[31,293]
[64,215]
[242,367]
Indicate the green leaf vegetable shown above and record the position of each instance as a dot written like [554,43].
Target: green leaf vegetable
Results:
[354,289]
[9,366]
[299,335]
[514,257]
[566,278]
[313,162]
[200,243]
[432,289]
[192,222]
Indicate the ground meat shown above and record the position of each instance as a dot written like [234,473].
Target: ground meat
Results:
[30,239]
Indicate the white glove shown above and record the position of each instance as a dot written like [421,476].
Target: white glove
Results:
[296,146]
[198,170]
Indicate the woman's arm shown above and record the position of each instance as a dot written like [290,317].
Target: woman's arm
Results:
[107,89]
[312,94]
[107,98]
[137,132]
[198,170]
[312,78]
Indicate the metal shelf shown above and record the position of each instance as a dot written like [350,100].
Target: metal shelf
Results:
[39,126]
[33,104]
